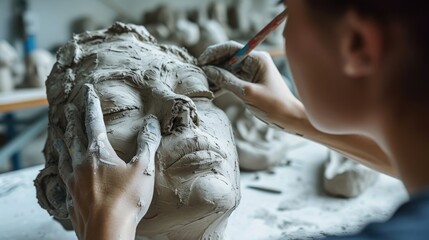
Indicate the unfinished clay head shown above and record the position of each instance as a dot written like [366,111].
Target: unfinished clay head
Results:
[259,146]
[196,175]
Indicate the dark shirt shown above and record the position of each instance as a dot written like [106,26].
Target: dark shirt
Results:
[410,222]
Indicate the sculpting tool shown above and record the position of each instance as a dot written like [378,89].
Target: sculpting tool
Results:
[265,189]
[241,54]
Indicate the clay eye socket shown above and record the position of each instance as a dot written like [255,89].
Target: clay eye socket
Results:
[114,113]
[193,87]
[200,94]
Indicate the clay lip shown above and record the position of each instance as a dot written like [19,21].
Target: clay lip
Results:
[196,147]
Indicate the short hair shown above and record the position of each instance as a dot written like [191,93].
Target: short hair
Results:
[413,13]
[411,77]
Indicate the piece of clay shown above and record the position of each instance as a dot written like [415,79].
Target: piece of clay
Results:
[346,178]
[196,165]
[11,70]
[39,65]
[259,146]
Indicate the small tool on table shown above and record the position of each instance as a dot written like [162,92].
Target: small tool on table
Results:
[234,63]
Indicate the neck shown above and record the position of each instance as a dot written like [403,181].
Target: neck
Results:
[406,138]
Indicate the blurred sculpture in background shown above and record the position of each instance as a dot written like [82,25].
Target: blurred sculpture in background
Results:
[170,26]
[344,177]
[218,11]
[196,29]
[11,67]
[39,65]
[211,32]
[259,146]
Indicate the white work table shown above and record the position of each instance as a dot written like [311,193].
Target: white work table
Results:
[301,211]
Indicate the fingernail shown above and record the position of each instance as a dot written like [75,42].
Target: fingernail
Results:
[151,126]
[90,91]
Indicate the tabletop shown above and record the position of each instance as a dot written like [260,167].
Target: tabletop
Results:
[302,210]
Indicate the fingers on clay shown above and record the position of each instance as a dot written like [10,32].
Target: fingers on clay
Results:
[72,136]
[99,146]
[148,142]
[94,121]
[219,53]
[64,162]
[250,65]
[225,79]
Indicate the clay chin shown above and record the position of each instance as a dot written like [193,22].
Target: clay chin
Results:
[196,174]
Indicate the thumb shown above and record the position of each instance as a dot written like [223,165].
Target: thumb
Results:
[226,80]
[219,53]
[148,142]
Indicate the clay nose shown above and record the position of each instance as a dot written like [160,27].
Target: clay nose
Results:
[183,115]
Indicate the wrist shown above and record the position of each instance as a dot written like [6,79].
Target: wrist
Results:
[111,223]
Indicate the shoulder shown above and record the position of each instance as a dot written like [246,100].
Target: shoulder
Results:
[410,221]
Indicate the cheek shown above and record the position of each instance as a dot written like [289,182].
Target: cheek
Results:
[216,123]
[123,136]
[316,72]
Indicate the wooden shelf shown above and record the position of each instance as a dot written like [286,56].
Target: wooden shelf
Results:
[22,98]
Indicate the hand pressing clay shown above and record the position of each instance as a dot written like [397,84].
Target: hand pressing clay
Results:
[196,166]
[346,178]
[39,65]
[11,70]
[259,146]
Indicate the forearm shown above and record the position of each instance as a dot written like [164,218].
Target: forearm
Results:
[357,147]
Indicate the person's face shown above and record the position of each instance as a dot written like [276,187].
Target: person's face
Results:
[196,164]
[313,51]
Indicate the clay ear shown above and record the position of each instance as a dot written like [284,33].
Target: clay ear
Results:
[52,192]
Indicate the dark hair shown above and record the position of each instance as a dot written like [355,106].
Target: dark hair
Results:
[412,14]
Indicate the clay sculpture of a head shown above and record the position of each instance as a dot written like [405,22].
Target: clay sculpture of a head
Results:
[196,167]
[259,146]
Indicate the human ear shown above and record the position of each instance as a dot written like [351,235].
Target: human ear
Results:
[360,45]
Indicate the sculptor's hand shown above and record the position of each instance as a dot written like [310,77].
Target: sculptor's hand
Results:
[257,82]
[108,196]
